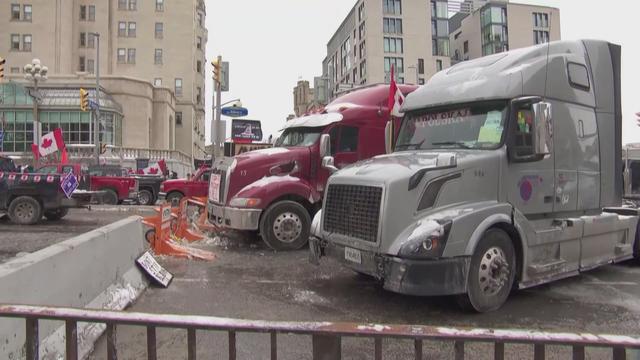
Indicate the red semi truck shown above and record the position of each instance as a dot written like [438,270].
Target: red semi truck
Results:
[276,191]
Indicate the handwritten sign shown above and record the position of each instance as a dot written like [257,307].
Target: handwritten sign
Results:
[156,272]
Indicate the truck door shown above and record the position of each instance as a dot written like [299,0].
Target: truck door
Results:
[531,180]
[200,187]
[344,145]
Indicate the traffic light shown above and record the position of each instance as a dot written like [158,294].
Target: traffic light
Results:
[2,61]
[217,69]
[84,100]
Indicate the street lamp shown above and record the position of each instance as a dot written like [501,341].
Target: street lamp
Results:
[36,72]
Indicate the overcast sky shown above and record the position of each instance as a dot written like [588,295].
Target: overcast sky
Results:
[272,44]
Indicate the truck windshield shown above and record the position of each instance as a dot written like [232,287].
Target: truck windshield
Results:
[470,126]
[299,137]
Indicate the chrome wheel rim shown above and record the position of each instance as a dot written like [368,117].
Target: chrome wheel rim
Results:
[144,198]
[25,211]
[287,227]
[494,271]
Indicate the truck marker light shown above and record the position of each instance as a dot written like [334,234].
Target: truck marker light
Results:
[12,177]
[1,175]
[24,178]
[37,178]
[50,179]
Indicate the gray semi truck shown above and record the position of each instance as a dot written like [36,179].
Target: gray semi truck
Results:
[507,173]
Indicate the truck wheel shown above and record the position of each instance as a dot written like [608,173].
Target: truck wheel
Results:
[491,274]
[110,197]
[145,197]
[25,210]
[174,195]
[285,226]
[55,215]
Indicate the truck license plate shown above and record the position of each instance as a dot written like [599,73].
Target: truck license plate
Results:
[353,255]
[214,188]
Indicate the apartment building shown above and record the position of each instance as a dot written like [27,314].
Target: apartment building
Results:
[499,26]
[410,35]
[152,65]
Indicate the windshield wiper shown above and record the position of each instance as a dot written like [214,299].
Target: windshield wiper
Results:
[407,146]
[456,143]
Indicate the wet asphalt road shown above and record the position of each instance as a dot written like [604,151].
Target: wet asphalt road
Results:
[251,282]
[16,239]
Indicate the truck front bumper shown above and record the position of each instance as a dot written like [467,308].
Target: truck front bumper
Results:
[436,277]
[234,218]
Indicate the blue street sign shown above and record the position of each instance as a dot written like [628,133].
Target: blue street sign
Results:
[235,112]
[1,137]
[69,184]
[93,105]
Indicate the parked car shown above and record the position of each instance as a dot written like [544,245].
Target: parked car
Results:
[148,185]
[197,185]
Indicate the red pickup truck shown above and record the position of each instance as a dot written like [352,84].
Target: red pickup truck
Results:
[115,189]
[178,188]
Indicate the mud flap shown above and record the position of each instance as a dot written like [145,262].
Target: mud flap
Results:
[316,251]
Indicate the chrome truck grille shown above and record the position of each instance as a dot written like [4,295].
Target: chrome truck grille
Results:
[353,210]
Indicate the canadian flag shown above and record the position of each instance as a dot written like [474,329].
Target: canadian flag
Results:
[396,99]
[52,143]
[159,168]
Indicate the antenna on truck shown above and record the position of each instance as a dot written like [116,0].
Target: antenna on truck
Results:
[546,75]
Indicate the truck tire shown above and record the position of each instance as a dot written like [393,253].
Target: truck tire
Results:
[25,210]
[491,274]
[110,197]
[174,195]
[54,215]
[145,197]
[285,226]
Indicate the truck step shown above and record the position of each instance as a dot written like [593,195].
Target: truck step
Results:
[552,266]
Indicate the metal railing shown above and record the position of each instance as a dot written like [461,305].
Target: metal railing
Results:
[326,336]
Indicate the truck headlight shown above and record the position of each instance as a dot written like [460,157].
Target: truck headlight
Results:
[244,202]
[427,240]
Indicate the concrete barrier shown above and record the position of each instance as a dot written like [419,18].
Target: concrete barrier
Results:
[95,270]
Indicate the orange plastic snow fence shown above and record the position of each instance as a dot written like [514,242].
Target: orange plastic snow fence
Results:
[202,224]
[160,237]
[183,230]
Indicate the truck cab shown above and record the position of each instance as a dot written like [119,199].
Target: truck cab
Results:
[276,191]
[197,185]
[507,172]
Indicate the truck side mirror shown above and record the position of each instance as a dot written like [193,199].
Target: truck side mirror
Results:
[325,146]
[327,163]
[543,128]
[388,137]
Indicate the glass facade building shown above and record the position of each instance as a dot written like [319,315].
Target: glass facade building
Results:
[495,37]
[59,108]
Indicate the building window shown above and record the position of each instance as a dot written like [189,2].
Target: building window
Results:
[392,26]
[159,30]
[363,49]
[83,12]
[92,13]
[392,7]
[132,29]
[178,118]
[420,66]
[133,4]
[494,30]
[122,4]
[397,63]
[122,29]
[178,87]
[131,56]
[200,19]
[81,64]
[157,59]
[27,16]
[26,43]
[91,40]
[345,52]
[122,56]
[442,10]
[199,42]
[393,45]
[91,67]
[361,12]
[421,81]
[363,69]
[15,70]
[83,39]
[199,66]
[157,82]
[540,37]
[362,31]
[438,65]
[541,20]
[15,11]
[466,47]
[159,5]
[198,95]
